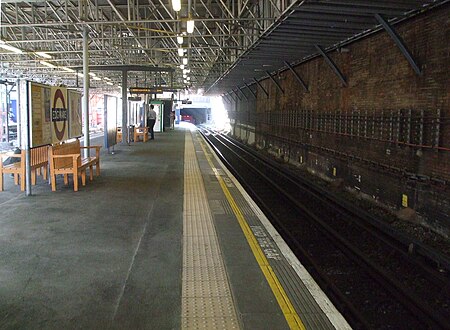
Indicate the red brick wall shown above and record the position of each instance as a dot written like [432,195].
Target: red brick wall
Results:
[379,79]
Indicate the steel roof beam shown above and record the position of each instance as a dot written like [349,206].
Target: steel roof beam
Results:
[399,42]
[332,65]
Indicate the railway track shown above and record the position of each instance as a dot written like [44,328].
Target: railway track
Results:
[378,278]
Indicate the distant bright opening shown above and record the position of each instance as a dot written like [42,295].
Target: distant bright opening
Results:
[219,115]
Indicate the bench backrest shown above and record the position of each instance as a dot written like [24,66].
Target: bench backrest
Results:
[38,155]
[65,149]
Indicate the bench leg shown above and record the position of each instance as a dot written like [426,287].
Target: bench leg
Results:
[33,177]
[83,177]
[66,179]
[1,180]
[22,182]
[75,181]
[91,172]
[97,167]
[45,174]
[16,178]
[53,179]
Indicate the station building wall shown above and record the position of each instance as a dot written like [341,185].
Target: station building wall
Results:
[386,134]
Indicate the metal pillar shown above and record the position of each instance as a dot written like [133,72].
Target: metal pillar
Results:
[86,90]
[124,107]
[19,115]
[27,147]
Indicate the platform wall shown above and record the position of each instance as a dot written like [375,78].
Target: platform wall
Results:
[386,134]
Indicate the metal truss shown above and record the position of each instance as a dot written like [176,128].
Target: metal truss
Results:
[131,32]
[233,42]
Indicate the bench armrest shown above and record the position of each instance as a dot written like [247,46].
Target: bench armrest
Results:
[66,156]
[97,149]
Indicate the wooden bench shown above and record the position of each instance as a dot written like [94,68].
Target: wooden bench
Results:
[38,164]
[66,159]
[140,131]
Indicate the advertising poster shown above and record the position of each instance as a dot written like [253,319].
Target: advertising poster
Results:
[59,114]
[40,109]
[75,114]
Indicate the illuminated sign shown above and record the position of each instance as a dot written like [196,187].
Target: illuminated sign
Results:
[150,90]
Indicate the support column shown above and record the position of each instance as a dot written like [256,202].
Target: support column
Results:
[86,90]
[27,148]
[124,107]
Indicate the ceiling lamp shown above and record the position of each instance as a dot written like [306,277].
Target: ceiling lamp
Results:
[180,40]
[47,64]
[176,5]
[10,48]
[109,83]
[43,55]
[185,60]
[182,66]
[96,78]
[188,78]
[190,26]
[180,52]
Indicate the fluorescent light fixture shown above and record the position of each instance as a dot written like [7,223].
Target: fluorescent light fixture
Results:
[67,69]
[185,75]
[47,64]
[185,71]
[180,40]
[10,48]
[96,78]
[190,26]
[185,60]
[92,74]
[188,78]
[182,66]
[180,52]
[43,55]
[79,74]
[176,5]
[109,83]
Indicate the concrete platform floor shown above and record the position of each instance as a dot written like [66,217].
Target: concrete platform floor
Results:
[107,256]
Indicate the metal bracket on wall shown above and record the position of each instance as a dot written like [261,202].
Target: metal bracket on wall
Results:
[300,80]
[332,65]
[239,89]
[251,91]
[230,95]
[259,84]
[275,82]
[237,94]
[399,42]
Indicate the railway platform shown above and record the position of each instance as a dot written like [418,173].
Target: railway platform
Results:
[165,238]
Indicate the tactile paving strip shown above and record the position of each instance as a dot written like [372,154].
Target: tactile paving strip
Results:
[206,296]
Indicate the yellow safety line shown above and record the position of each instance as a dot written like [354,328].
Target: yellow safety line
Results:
[284,302]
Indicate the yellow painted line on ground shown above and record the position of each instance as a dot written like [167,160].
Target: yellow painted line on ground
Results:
[283,300]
